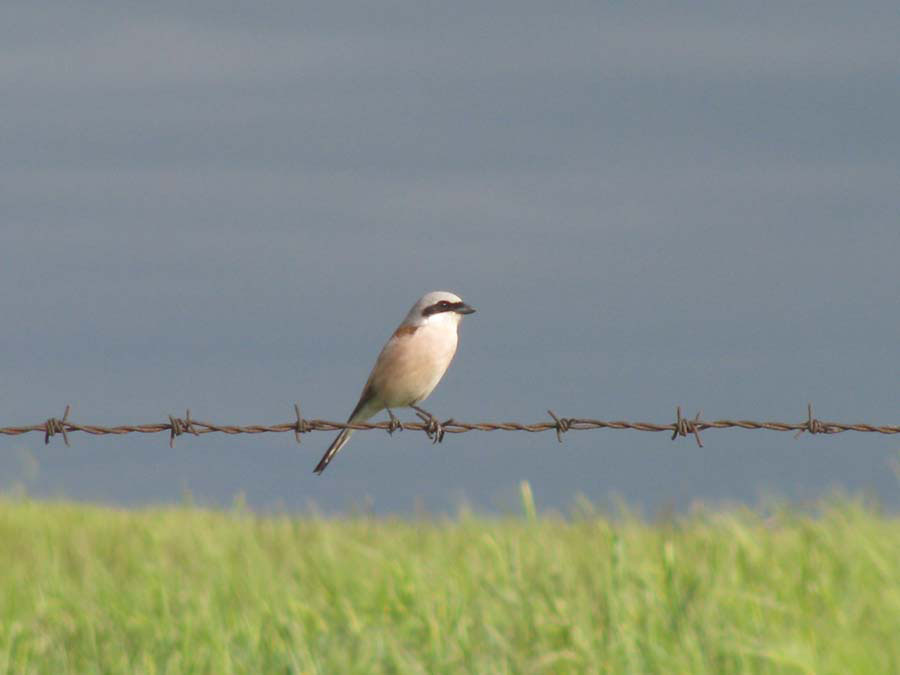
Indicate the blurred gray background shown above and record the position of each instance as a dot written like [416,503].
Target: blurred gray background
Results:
[229,208]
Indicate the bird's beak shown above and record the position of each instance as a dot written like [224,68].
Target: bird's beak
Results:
[464,309]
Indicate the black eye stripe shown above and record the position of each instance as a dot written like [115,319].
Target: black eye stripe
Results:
[441,306]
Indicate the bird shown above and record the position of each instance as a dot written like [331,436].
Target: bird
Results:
[410,365]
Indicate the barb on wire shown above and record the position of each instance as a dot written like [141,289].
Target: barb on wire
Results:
[54,426]
[683,426]
[815,426]
[562,425]
[179,426]
[302,427]
[435,429]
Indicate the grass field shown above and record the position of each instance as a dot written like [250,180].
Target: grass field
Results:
[87,589]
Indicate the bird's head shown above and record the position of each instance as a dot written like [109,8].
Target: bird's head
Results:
[438,307]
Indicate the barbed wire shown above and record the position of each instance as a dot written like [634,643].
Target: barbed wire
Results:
[435,430]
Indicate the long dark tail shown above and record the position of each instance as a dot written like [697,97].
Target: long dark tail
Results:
[363,411]
[333,449]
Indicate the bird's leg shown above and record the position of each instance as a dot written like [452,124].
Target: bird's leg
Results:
[395,423]
[434,429]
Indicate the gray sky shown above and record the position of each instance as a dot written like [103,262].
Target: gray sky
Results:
[229,208]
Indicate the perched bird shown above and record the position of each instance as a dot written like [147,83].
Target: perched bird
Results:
[410,365]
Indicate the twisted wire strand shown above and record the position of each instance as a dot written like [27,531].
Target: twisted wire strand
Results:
[682,426]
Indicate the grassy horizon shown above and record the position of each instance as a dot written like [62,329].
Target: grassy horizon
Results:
[184,589]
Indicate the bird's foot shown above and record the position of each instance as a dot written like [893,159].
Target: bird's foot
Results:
[395,424]
[433,428]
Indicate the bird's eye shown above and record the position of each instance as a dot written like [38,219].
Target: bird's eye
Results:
[444,303]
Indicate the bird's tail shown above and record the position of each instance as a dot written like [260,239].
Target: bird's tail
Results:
[363,411]
[333,449]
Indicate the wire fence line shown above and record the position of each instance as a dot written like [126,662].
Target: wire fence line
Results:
[435,429]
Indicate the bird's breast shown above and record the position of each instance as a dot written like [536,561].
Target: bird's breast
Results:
[411,364]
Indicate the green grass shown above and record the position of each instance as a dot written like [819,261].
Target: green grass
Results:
[87,589]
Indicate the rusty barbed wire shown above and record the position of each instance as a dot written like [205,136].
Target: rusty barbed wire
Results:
[435,429]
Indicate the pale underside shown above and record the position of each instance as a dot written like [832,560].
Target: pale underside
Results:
[408,369]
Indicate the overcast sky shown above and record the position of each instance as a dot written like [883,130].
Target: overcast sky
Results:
[229,208]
